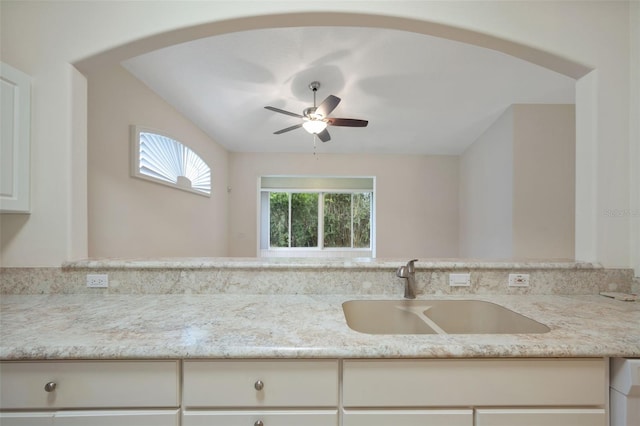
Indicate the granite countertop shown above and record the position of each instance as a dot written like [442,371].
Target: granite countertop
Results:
[101,326]
[319,263]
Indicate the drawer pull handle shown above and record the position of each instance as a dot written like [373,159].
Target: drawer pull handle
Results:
[259,385]
[50,387]
[259,423]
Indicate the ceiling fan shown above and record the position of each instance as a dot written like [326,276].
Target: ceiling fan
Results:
[315,119]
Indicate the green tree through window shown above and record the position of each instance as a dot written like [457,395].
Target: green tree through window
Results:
[279,219]
[294,219]
[337,220]
[362,220]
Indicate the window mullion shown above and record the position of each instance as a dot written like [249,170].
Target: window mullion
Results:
[321,220]
[289,224]
[351,220]
[371,222]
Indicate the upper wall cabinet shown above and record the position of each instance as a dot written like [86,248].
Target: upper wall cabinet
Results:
[15,122]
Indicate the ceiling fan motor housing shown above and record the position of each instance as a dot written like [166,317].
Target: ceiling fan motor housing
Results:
[310,113]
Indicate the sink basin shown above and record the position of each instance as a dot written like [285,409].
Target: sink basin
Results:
[436,317]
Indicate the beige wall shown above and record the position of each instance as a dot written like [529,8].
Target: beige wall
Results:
[43,38]
[634,158]
[417,206]
[517,186]
[486,193]
[416,196]
[136,218]
[544,181]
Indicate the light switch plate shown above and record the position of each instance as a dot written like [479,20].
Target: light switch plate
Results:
[459,280]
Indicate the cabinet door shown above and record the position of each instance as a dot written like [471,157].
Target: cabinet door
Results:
[408,418]
[537,417]
[269,418]
[26,419]
[15,119]
[120,418]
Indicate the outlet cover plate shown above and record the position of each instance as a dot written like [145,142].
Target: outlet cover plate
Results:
[518,280]
[97,280]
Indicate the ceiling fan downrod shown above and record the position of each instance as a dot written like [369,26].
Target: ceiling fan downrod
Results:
[314,86]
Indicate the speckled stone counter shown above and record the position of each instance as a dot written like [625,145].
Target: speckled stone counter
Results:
[103,326]
[292,308]
[310,276]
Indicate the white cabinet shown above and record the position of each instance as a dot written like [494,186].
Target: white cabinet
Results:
[462,417]
[537,417]
[120,418]
[476,382]
[267,417]
[433,392]
[93,418]
[542,416]
[572,390]
[26,419]
[15,123]
[102,389]
[280,393]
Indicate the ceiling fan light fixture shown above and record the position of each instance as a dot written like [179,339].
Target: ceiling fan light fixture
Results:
[314,126]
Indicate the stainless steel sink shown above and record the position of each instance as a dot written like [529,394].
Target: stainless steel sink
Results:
[436,317]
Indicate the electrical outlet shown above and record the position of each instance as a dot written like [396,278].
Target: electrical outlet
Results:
[518,280]
[98,280]
[459,280]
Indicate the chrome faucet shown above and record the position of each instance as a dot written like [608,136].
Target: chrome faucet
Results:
[409,273]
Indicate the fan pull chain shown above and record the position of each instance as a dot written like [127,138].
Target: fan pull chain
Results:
[315,138]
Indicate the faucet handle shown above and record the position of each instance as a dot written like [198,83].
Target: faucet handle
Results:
[401,272]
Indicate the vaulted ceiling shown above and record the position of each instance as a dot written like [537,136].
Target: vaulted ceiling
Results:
[421,94]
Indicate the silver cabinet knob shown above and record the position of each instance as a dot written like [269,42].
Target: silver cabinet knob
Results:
[259,385]
[50,387]
[258,423]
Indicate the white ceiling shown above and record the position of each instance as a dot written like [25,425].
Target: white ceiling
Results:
[421,94]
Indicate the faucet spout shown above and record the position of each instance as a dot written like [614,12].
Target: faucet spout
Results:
[408,272]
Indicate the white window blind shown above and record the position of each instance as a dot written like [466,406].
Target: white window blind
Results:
[162,159]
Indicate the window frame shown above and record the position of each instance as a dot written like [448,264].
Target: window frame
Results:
[265,249]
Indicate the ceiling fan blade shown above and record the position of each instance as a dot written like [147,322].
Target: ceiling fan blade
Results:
[288,129]
[324,136]
[281,111]
[347,122]
[328,105]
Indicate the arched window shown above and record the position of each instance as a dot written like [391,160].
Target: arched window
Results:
[162,159]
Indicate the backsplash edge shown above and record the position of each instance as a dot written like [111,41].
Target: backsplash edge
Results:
[334,280]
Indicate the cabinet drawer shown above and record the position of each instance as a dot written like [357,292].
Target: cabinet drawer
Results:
[408,418]
[26,419]
[270,418]
[120,418]
[283,384]
[93,418]
[546,417]
[89,384]
[490,382]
